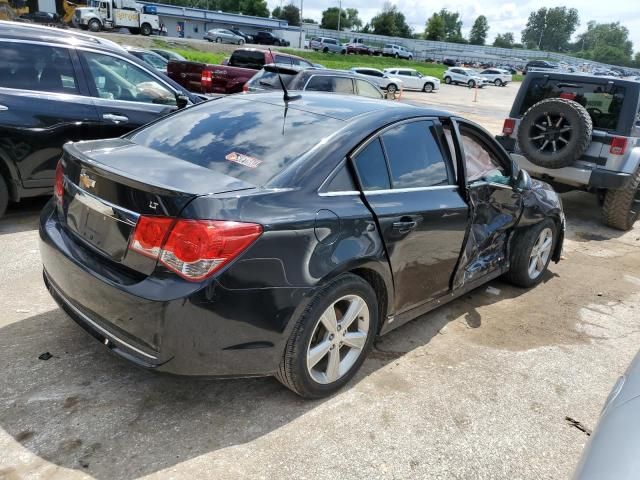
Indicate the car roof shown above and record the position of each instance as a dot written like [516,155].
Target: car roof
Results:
[344,107]
[28,31]
[580,77]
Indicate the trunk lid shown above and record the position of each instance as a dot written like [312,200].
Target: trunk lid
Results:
[187,74]
[110,183]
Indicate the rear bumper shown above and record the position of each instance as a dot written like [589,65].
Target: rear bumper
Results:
[580,175]
[166,324]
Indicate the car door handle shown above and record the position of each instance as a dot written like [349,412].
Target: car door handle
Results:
[404,226]
[112,117]
[3,108]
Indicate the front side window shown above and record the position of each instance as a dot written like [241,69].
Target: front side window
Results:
[415,158]
[117,79]
[365,89]
[36,67]
[479,161]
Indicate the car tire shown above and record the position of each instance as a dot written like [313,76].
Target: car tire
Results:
[621,207]
[428,87]
[471,83]
[240,42]
[145,29]
[4,196]
[325,50]
[277,43]
[396,56]
[447,80]
[297,370]
[343,52]
[522,271]
[94,25]
[497,82]
[218,40]
[392,88]
[533,133]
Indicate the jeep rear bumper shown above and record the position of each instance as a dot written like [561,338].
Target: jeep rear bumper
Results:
[581,174]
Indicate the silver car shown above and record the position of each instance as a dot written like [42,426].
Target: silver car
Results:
[613,450]
[327,45]
[384,81]
[222,35]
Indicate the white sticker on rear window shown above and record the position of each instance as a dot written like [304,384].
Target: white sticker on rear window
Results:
[243,159]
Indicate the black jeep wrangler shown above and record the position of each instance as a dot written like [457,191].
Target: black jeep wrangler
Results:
[579,131]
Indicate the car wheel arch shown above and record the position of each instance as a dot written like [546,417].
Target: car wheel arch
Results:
[11,176]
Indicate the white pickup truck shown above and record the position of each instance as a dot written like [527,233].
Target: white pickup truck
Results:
[110,14]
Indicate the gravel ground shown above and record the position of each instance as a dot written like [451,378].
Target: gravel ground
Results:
[478,389]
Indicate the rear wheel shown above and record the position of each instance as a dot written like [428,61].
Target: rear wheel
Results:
[532,250]
[325,50]
[428,87]
[331,339]
[4,196]
[622,206]
[497,82]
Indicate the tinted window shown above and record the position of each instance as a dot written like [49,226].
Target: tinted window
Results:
[602,101]
[406,73]
[365,89]
[326,83]
[372,167]
[414,156]
[479,160]
[247,59]
[36,67]
[238,136]
[341,182]
[270,80]
[117,79]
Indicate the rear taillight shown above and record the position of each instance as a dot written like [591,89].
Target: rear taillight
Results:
[508,127]
[205,78]
[58,189]
[245,88]
[568,96]
[194,249]
[618,145]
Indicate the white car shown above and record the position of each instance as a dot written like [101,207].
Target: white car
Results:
[381,79]
[496,76]
[465,76]
[414,80]
[397,51]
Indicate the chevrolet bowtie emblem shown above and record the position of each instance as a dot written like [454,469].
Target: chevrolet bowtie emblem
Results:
[86,181]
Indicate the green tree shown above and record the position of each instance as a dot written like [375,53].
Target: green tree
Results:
[309,20]
[452,26]
[550,28]
[353,20]
[256,8]
[289,12]
[390,21]
[435,28]
[330,19]
[605,34]
[504,40]
[478,35]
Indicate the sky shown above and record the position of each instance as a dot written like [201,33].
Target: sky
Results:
[504,16]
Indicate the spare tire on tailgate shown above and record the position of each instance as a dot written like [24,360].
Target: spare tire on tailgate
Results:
[555,132]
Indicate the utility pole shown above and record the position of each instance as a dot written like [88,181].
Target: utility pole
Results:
[301,44]
[339,13]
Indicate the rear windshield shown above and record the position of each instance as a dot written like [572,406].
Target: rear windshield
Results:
[265,79]
[241,137]
[602,101]
[247,59]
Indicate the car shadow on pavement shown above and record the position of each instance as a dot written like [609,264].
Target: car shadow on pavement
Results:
[88,410]
[23,216]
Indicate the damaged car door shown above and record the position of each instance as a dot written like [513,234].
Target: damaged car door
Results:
[495,205]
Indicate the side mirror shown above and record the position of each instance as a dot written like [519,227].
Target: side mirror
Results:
[181,101]
[523,181]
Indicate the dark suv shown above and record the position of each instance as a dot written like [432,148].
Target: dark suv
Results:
[268,38]
[580,132]
[539,64]
[56,87]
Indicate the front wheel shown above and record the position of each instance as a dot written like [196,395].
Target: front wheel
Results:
[428,88]
[622,206]
[532,250]
[331,339]
[277,43]
[497,82]
[392,89]
[471,84]
[145,29]
[94,25]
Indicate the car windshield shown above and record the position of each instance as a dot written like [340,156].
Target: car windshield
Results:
[602,101]
[154,60]
[241,137]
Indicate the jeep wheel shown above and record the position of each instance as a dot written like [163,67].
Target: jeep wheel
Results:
[94,25]
[331,339]
[4,196]
[622,206]
[555,132]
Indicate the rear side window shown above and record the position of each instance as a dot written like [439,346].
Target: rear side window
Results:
[372,167]
[326,83]
[602,101]
[415,158]
[365,89]
[264,79]
[247,59]
[36,67]
[238,136]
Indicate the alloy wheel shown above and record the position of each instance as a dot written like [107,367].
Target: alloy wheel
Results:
[540,253]
[338,339]
[550,132]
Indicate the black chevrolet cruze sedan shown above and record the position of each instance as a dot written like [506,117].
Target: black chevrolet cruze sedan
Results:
[251,235]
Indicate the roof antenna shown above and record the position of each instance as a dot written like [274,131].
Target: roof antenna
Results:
[286,96]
